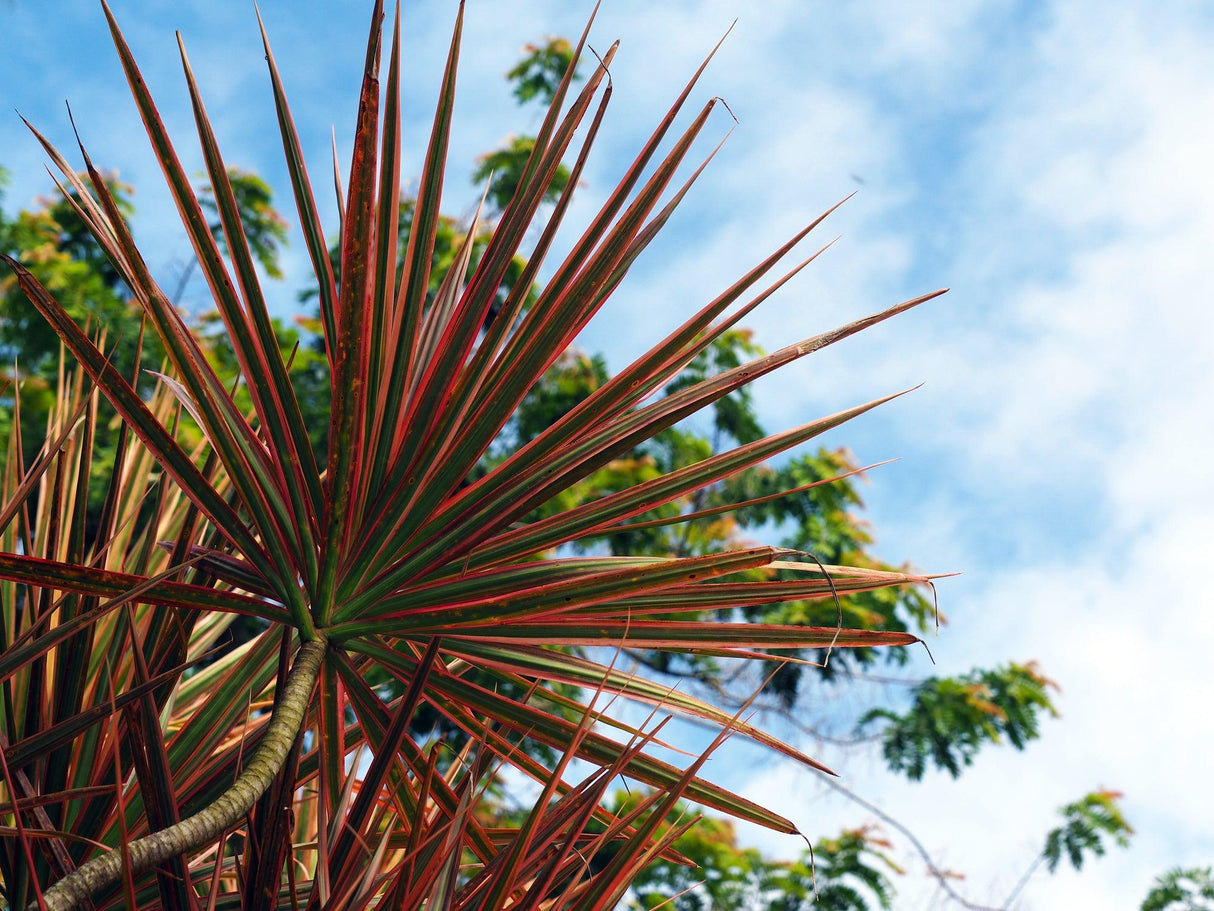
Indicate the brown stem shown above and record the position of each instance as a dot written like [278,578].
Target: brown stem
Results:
[230,807]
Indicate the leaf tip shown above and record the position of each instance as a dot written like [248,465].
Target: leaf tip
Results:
[930,656]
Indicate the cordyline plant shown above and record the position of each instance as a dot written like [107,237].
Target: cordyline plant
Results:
[142,766]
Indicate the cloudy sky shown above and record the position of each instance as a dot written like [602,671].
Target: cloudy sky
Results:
[1050,162]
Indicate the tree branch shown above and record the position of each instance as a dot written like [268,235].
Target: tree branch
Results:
[934,870]
[728,699]
[1024,880]
[207,824]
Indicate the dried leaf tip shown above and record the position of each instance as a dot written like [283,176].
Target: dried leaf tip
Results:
[603,63]
[725,104]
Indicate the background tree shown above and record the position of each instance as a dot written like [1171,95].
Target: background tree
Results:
[1182,890]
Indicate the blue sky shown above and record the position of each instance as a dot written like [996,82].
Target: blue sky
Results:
[1048,161]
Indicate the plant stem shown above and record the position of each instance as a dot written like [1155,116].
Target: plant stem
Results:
[231,806]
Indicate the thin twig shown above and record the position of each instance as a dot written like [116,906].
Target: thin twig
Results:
[932,868]
[1024,880]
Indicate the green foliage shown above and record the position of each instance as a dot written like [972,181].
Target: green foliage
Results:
[1087,823]
[61,252]
[567,383]
[734,416]
[950,718]
[722,877]
[1182,889]
[264,228]
[503,168]
[537,77]
[538,74]
[309,370]
[805,496]
[449,235]
[821,516]
[851,873]
[848,873]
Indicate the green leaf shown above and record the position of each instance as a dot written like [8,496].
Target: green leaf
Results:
[1087,823]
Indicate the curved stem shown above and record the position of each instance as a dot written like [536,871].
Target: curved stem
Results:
[231,806]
